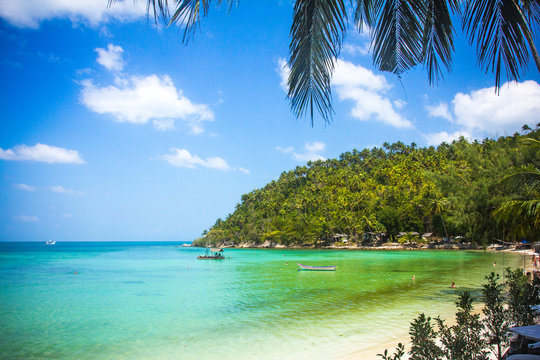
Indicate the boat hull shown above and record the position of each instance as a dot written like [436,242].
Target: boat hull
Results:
[202,257]
[316,268]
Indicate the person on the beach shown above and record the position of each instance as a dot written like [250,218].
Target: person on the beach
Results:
[453,285]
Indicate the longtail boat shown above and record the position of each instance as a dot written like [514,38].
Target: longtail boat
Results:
[212,254]
[316,268]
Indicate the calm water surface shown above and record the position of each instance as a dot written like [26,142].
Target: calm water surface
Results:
[156,301]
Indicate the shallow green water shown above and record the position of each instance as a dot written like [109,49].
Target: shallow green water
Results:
[156,301]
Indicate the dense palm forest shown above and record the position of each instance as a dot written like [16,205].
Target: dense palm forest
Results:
[451,190]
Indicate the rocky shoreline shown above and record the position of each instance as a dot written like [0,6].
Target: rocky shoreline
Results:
[385,246]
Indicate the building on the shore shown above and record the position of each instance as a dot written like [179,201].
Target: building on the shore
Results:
[427,237]
[342,238]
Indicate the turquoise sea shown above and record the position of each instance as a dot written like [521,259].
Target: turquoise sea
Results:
[156,301]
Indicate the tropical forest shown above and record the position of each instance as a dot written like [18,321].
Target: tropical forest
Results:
[478,192]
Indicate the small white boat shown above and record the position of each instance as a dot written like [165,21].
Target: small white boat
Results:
[50,242]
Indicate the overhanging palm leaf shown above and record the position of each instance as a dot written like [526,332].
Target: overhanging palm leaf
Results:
[188,12]
[159,8]
[397,45]
[405,33]
[438,37]
[317,34]
[500,34]
[365,13]
[531,10]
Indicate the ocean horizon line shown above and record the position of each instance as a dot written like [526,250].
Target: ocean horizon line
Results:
[96,241]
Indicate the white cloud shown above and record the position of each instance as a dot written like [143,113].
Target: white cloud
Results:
[365,88]
[183,158]
[350,76]
[355,49]
[30,13]
[371,105]
[42,153]
[62,190]
[312,152]
[482,112]
[163,124]
[111,58]
[25,218]
[315,147]
[140,99]
[438,138]
[283,71]
[440,110]
[25,187]
[399,104]
[244,170]
[361,42]
[486,112]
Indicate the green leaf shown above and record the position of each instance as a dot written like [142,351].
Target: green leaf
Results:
[317,35]
[496,27]
[397,35]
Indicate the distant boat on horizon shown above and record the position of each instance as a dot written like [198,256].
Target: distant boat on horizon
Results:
[50,242]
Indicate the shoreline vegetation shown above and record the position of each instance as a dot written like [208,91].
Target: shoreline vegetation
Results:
[385,246]
[457,195]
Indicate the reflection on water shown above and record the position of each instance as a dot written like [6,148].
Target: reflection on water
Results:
[137,301]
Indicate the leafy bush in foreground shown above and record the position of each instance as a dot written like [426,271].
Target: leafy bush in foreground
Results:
[472,338]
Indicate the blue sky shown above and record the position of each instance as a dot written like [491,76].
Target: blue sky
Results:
[113,130]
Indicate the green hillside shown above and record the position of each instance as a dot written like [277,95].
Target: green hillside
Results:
[451,190]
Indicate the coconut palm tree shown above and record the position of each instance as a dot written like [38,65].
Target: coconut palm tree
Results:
[438,206]
[404,33]
[524,215]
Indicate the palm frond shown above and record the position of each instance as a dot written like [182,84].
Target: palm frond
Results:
[522,177]
[531,10]
[158,8]
[497,27]
[317,35]
[524,215]
[365,13]
[531,142]
[187,12]
[190,12]
[438,37]
[398,33]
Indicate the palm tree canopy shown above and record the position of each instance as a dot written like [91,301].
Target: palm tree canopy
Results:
[524,215]
[404,33]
